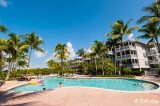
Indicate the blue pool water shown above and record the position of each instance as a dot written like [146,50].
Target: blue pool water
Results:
[109,83]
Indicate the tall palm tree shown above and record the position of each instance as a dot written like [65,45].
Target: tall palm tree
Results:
[154,13]
[3,47]
[34,41]
[119,29]
[99,50]
[112,44]
[13,47]
[3,29]
[61,53]
[150,31]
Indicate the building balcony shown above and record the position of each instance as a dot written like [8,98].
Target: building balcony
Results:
[151,53]
[128,47]
[135,65]
[156,61]
[109,52]
[127,56]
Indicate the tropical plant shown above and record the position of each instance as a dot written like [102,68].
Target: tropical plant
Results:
[61,53]
[112,43]
[154,13]
[13,47]
[119,29]
[3,46]
[109,67]
[52,64]
[81,52]
[99,50]
[150,31]
[21,63]
[127,71]
[33,41]
[3,29]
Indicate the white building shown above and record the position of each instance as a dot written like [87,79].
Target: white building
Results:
[138,55]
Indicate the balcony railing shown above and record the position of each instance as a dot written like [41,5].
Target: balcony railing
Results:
[156,61]
[127,56]
[126,47]
[135,65]
[109,52]
[152,53]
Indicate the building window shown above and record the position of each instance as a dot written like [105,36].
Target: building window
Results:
[146,63]
[143,48]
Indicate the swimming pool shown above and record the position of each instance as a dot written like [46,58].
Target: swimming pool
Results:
[106,83]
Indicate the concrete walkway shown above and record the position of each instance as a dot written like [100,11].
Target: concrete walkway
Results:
[79,97]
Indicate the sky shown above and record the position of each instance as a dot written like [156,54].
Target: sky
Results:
[76,23]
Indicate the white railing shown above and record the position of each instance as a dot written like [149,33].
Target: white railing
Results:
[154,61]
[135,64]
[127,56]
[126,47]
[152,53]
[109,52]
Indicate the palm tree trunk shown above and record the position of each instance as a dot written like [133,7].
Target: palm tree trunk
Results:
[95,65]
[102,66]
[120,63]
[115,60]
[9,70]
[62,68]
[29,57]
[158,45]
[1,63]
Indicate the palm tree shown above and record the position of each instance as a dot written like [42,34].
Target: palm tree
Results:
[99,50]
[150,31]
[112,44]
[21,59]
[81,52]
[34,41]
[154,13]
[119,29]
[52,64]
[3,29]
[21,63]
[3,47]
[13,47]
[61,53]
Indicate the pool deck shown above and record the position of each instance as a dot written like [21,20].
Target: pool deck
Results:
[79,96]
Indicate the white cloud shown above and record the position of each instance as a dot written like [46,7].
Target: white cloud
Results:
[71,50]
[50,57]
[40,54]
[3,3]
[130,37]
[89,50]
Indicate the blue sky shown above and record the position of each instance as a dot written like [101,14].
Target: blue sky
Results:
[76,22]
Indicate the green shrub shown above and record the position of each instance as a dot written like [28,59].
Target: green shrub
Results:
[127,71]
[137,72]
